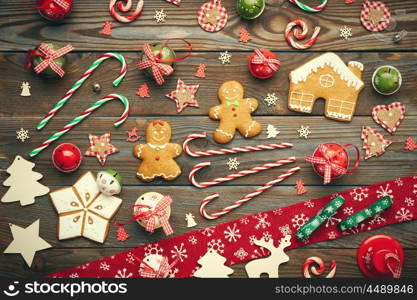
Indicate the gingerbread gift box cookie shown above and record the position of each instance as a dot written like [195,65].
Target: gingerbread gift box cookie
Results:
[234,113]
[327,77]
[158,153]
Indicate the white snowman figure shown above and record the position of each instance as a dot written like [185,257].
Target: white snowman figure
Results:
[154,261]
[109,182]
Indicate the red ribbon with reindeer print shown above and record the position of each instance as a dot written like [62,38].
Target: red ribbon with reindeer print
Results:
[236,240]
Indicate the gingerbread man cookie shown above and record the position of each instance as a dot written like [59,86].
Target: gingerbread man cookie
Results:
[158,153]
[234,112]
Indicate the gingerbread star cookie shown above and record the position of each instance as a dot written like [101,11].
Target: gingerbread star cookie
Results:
[184,95]
[101,147]
[373,142]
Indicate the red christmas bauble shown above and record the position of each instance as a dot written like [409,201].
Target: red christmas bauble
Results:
[54,10]
[336,155]
[263,70]
[66,157]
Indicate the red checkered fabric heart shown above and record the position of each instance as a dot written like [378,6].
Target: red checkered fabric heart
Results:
[201,16]
[366,11]
[390,116]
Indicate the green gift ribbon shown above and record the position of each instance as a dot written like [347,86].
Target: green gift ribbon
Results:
[372,210]
[315,222]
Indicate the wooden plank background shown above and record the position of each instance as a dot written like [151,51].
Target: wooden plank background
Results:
[22,28]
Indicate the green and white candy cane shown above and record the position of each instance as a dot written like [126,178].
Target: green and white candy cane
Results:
[83,116]
[81,81]
[310,9]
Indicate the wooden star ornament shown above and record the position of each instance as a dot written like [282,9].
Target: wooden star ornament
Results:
[375,16]
[101,147]
[26,241]
[212,16]
[184,95]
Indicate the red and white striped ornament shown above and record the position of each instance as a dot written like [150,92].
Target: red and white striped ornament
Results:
[300,35]
[124,6]
[317,260]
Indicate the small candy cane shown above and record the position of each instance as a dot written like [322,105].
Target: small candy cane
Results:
[224,151]
[124,6]
[300,35]
[317,260]
[236,175]
[243,200]
[81,81]
[310,9]
[83,116]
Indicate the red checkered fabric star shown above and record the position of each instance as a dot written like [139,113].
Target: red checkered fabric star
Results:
[184,95]
[201,71]
[299,185]
[101,147]
[244,36]
[122,235]
[107,28]
[143,91]
[375,15]
[50,56]
[410,144]
[208,11]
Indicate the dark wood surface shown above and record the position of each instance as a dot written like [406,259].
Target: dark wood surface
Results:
[22,28]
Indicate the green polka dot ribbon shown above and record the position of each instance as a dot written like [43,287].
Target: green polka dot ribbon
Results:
[372,210]
[315,222]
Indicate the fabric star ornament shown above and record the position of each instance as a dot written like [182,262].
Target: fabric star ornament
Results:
[373,142]
[212,16]
[375,16]
[101,147]
[26,241]
[83,210]
[184,95]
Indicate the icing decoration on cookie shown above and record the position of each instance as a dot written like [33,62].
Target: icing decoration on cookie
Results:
[184,95]
[101,147]
[212,16]
[375,15]
[83,210]
[390,116]
[327,77]
[234,113]
[373,142]
[158,153]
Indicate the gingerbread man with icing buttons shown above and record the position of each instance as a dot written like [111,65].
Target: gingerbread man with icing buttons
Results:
[158,153]
[234,112]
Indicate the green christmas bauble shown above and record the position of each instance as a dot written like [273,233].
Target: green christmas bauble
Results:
[165,53]
[250,9]
[386,80]
[60,61]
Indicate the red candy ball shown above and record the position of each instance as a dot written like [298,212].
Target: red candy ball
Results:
[337,155]
[261,71]
[54,10]
[66,157]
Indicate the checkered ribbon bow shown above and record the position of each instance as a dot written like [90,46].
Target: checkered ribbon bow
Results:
[49,56]
[64,5]
[163,270]
[158,69]
[46,4]
[328,165]
[159,213]
[260,58]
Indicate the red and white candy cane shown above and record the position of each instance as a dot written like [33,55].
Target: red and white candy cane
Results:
[300,35]
[225,151]
[317,260]
[124,6]
[236,175]
[83,116]
[310,9]
[245,199]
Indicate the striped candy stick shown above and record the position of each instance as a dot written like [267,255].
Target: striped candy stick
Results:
[236,175]
[300,35]
[81,81]
[317,260]
[310,9]
[83,116]
[243,200]
[124,7]
[224,151]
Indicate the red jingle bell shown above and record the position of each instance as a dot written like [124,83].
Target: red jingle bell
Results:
[66,157]
[263,64]
[54,10]
[380,256]
[331,160]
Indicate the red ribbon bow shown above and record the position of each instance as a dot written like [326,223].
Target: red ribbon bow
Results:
[260,58]
[158,122]
[162,272]
[328,165]
[159,214]
[159,70]
[49,57]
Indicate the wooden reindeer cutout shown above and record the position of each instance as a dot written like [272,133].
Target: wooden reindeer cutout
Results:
[270,264]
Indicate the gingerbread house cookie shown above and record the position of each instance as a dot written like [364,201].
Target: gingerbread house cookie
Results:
[327,77]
